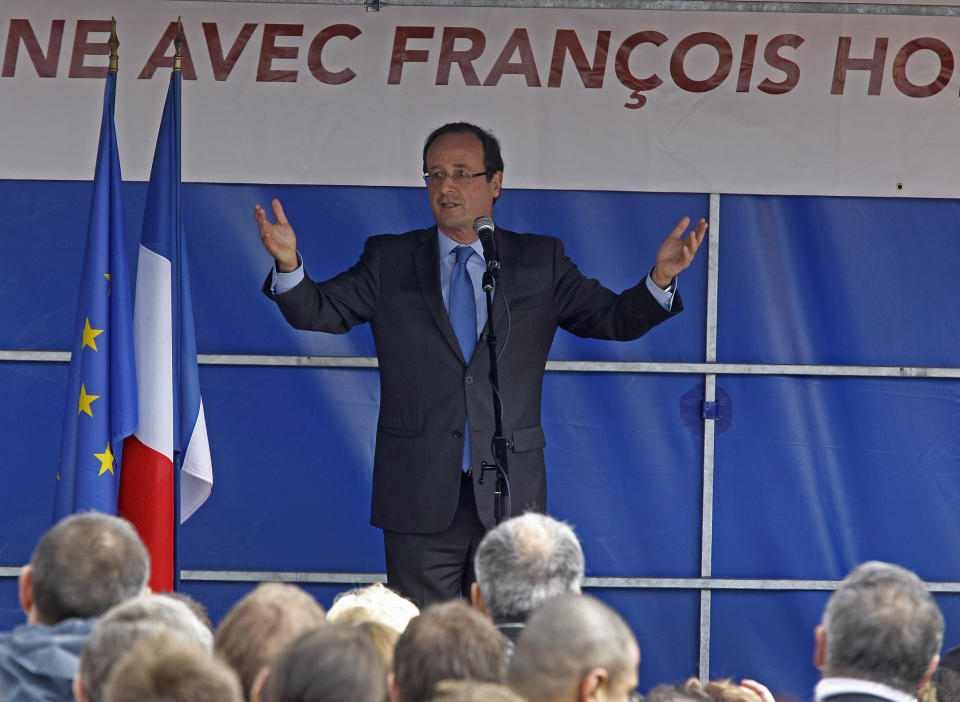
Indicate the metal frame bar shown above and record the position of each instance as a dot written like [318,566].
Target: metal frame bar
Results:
[801,369]
[709,395]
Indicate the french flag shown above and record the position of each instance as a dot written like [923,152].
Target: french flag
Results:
[171,445]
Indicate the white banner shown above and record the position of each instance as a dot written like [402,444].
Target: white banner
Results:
[724,102]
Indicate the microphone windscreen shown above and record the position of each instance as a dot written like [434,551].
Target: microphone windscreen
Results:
[483,227]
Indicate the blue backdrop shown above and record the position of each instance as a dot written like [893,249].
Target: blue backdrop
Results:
[812,474]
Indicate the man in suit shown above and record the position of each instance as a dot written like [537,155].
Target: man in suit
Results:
[880,637]
[420,292]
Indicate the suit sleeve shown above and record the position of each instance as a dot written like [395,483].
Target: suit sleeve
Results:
[588,309]
[334,305]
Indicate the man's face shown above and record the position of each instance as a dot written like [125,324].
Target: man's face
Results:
[456,205]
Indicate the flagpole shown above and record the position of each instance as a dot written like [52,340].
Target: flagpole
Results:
[177,354]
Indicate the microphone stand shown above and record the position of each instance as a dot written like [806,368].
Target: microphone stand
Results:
[501,492]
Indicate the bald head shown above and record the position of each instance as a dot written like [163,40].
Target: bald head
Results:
[567,639]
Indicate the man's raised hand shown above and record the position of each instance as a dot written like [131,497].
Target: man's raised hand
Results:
[278,238]
[676,253]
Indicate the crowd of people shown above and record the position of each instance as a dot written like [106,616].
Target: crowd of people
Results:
[94,633]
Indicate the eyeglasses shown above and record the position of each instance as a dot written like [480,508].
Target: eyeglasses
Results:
[458,177]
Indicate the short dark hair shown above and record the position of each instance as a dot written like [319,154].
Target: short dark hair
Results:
[449,641]
[330,664]
[85,564]
[492,160]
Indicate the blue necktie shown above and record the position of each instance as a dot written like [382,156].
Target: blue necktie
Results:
[463,317]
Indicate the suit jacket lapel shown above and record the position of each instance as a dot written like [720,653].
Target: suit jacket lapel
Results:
[428,271]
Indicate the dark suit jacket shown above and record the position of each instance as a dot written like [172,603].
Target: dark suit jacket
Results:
[428,390]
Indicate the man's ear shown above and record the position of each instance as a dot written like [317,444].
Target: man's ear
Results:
[819,647]
[934,662]
[476,599]
[592,684]
[392,692]
[256,687]
[25,589]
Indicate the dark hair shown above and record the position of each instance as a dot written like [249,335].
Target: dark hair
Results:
[330,664]
[85,564]
[492,160]
[449,641]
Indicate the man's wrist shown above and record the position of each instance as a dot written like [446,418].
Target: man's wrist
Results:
[286,267]
[658,280]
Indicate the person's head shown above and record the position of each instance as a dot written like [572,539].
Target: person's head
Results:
[374,603]
[383,637]
[575,648]
[82,566]
[722,690]
[523,562]
[331,664]
[117,630]
[880,624]
[199,611]
[448,641]
[458,151]
[946,678]
[261,624]
[470,691]
[166,668]
[689,691]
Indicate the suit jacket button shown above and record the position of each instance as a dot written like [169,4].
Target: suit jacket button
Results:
[456,434]
[468,380]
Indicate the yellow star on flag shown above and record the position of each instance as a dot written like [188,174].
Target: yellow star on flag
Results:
[89,335]
[107,276]
[106,460]
[85,400]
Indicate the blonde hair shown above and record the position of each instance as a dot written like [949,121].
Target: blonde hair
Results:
[374,603]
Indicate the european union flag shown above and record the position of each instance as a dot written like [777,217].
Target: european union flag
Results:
[102,386]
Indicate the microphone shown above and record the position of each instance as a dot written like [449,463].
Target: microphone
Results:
[483,227]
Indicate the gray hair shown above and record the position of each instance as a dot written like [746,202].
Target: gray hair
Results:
[883,625]
[563,640]
[85,564]
[128,622]
[523,562]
